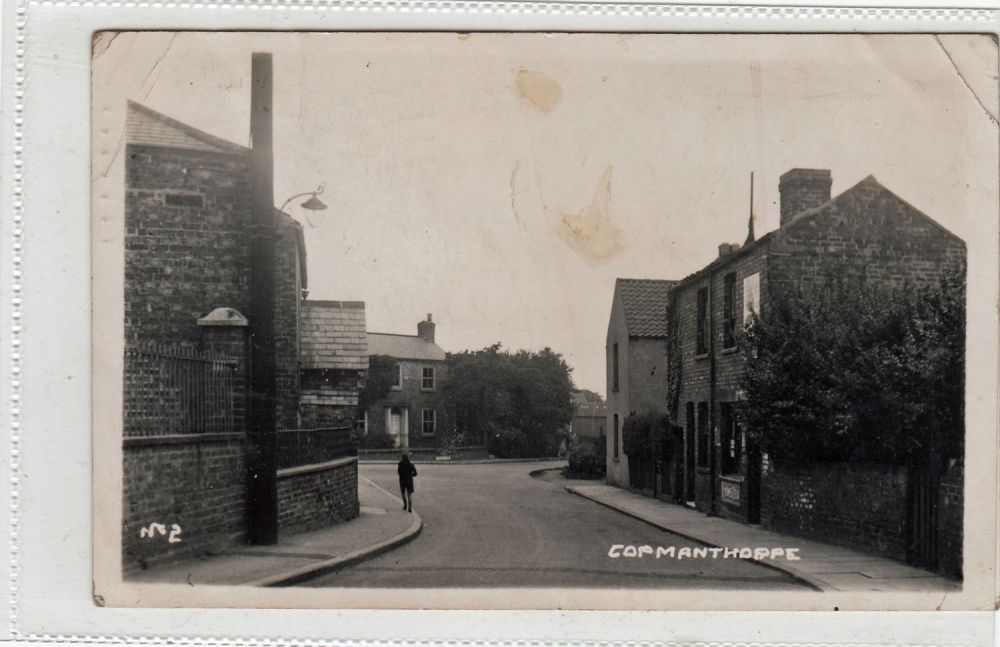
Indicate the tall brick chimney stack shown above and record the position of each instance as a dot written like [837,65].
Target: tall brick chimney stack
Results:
[801,189]
[425,329]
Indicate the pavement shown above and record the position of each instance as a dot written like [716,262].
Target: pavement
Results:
[822,566]
[381,526]
[493,525]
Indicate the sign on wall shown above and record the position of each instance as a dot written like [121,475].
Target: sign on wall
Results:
[751,296]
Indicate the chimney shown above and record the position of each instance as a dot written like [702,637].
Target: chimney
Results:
[801,189]
[725,249]
[425,329]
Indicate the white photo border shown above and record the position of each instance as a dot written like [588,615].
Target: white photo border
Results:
[47,333]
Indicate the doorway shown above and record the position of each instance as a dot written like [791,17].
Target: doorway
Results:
[398,427]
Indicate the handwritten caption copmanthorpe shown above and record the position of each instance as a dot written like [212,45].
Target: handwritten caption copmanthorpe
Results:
[673,552]
[155,529]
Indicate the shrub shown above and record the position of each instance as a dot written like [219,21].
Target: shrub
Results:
[643,434]
[380,440]
[588,460]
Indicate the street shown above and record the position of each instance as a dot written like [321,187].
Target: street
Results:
[494,525]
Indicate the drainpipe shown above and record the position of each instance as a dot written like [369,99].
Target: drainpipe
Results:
[712,422]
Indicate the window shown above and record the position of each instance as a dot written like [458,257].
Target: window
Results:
[614,368]
[362,422]
[427,383]
[703,438]
[729,310]
[397,377]
[616,438]
[751,296]
[701,345]
[732,439]
[429,422]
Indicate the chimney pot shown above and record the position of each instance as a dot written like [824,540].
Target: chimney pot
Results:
[425,329]
[801,189]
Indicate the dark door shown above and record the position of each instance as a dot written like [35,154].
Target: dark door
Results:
[923,518]
[689,449]
[754,459]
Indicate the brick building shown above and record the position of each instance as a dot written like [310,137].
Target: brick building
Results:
[636,359]
[412,412]
[186,293]
[866,230]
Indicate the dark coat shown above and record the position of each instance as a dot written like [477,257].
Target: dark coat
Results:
[406,471]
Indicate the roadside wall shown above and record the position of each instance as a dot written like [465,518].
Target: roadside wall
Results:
[315,496]
[196,482]
[860,506]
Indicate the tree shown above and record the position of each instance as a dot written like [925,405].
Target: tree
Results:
[849,370]
[517,403]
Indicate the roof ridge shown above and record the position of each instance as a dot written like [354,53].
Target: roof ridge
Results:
[196,133]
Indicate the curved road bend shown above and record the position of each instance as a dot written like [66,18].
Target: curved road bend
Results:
[493,525]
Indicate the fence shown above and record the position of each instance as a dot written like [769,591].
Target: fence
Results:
[308,446]
[174,390]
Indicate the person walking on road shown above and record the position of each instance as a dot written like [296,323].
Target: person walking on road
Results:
[406,471]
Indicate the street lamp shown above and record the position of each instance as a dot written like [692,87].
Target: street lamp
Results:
[312,204]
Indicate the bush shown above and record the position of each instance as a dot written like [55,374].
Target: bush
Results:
[644,434]
[381,440]
[586,460]
[510,443]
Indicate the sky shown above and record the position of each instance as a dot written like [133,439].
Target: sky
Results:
[503,181]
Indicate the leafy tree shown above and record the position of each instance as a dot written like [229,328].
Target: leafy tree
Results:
[517,402]
[853,370]
[378,383]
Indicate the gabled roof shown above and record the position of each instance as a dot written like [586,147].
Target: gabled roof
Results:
[645,304]
[404,347]
[588,404]
[333,335]
[147,127]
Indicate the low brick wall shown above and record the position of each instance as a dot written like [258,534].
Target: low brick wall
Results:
[860,506]
[314,496]
[196,482]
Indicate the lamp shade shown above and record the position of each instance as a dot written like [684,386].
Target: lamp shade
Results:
[314,204]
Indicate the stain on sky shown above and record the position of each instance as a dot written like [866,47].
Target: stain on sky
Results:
[538,90]
[591,233]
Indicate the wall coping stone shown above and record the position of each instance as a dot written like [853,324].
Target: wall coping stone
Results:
[316,467]
[181,439]
[224,317]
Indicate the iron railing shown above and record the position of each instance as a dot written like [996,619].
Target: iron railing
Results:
[309,446]
[175,390]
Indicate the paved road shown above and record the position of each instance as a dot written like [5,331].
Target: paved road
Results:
[494,525]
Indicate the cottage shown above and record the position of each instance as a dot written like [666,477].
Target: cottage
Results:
[866,229]
[411,412]
[636,360]
[590,414]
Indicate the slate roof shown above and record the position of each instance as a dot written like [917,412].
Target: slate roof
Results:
[333,335]
[404,347]
[147,127]
[645,305]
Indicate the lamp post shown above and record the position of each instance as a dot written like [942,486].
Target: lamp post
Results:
[312,204]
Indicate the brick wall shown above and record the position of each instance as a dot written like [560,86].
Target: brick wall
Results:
[951,501]
[197,483]
[316,496]
[860,506]
[414,399]
[868,230]
[329,398]
[182,262]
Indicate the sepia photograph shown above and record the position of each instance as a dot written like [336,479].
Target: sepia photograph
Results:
[540,320]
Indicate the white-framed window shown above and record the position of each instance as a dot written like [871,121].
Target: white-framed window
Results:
[751,296]
[427,379]
[397,377]
[429,422]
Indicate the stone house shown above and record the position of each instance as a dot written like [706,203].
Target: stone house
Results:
[412,411]
[867,230]
[636,360]
[187,297]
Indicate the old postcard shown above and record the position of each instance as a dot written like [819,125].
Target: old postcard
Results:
[545,320]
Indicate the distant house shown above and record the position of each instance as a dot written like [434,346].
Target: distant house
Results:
[334,362]
[589,417]
[636,356]
[411,412]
